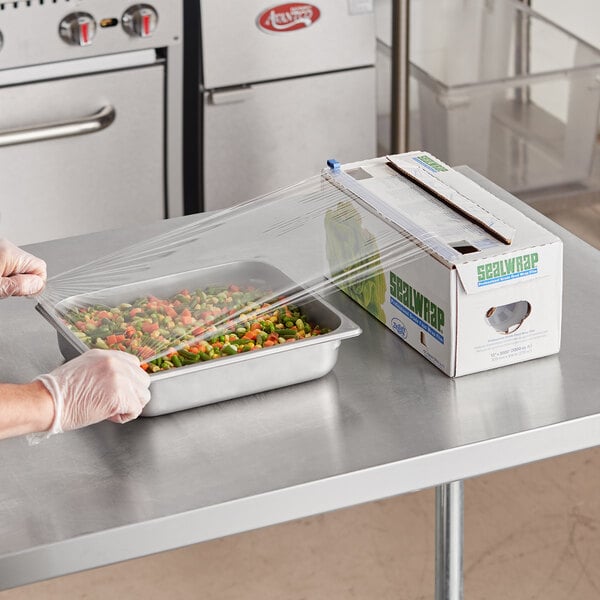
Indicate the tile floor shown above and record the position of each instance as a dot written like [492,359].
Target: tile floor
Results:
[531,533]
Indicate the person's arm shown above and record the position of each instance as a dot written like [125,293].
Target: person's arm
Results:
[25,408]
[98,385]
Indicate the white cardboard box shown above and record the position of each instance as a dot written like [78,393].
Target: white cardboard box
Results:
[486,291]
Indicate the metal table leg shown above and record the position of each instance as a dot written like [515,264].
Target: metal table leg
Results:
[449,541]
[400,74]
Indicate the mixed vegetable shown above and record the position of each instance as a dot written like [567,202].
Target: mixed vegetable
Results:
[211,322]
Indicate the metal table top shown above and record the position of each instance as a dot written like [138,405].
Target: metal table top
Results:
[384,422]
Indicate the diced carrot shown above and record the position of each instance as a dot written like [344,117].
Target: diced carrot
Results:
[145,352]
[149,327]
[111,340]
[234,288]
[135,311]
[255,326]
[120,337]
[171,312]
[187,320]
[186,312]
[268,343]
[198,331]
[250,335]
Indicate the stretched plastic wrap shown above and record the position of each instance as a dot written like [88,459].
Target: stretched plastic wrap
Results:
[245,279]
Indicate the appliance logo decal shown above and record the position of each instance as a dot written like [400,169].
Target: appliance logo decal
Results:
[288,17]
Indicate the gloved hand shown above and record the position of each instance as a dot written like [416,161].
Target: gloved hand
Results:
[98,385]
[21,273]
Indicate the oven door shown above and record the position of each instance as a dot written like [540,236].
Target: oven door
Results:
[281,132]
[82,153]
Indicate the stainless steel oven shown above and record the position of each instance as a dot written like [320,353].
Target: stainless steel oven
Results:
[90,115]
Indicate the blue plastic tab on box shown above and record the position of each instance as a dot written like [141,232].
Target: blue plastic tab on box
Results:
[333,164]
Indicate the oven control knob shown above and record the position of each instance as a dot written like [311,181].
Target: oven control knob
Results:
[78,29]
[140,20]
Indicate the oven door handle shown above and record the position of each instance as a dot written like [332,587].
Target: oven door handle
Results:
[96,122]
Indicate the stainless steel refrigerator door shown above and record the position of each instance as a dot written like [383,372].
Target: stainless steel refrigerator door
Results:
[108,178]
[236,50]
[267,136]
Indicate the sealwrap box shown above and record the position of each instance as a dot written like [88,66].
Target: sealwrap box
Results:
[482,287]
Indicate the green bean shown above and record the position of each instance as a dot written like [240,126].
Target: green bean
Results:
[187,361]
[229,349]
[285,332]
[240,342]
[189,355]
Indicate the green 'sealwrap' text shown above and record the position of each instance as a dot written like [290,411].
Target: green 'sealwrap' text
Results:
[416,302]
[507,266]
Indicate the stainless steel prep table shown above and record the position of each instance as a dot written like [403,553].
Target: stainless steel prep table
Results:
[384,422]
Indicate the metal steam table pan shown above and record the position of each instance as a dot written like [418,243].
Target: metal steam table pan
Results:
[227,377]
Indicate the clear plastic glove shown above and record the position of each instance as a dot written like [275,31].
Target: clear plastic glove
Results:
[21,273]
[98,385]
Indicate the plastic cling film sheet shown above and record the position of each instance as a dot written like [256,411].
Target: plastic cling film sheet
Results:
[240,280]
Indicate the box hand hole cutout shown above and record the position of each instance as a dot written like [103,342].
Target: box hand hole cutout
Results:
[509,317]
